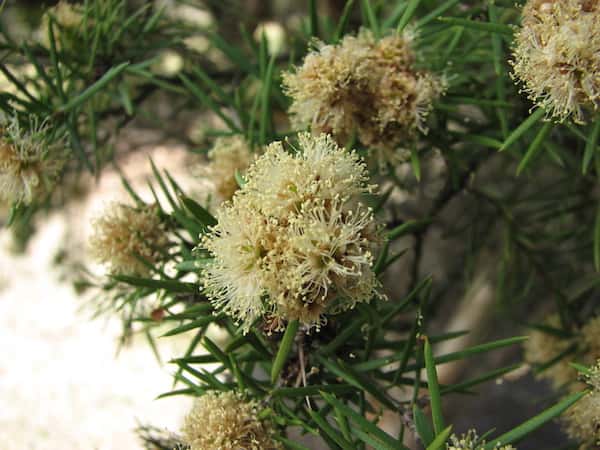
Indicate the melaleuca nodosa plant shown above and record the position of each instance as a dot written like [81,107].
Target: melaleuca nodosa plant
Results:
[399,209]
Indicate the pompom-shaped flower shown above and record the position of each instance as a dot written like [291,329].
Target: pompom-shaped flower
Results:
[582,420]
[29,161]
[470,441]
[557,56]
[125,237]
[228,155]
[365,86]
[294,243]
[224,421]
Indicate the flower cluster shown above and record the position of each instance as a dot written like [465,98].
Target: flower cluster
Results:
[364,87]
[470,441]
[294,243]
[557,56]
[126,237]
[67,18]
[224,421]
[543,347]
[582,420]
[228,155]
[30,162]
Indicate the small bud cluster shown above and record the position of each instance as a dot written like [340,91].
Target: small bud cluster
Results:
[125,237]
[294,243]
[225,421]
[557,56]
[582,420]
[29,162]
[470,441]
[364,87]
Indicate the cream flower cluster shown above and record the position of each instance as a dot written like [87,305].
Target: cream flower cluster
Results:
[557,56]
[294,243]
[582,420]
[29,163]
[470,441]
[228,155]
[125,236]
[366,87]
[224,421]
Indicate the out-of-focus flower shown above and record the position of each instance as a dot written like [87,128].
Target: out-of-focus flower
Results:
[125,237]
[228,155]
[582,420]
[364,87]
[470,441]
[67,19]
[30,162]
[225,421]
[294,243]
[557,56]
[544,347]
[274,34]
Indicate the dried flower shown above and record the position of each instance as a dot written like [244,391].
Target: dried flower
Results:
[543,347]
[30,161]
[582,420]
[470,441]
[557,56]
[125,236]
[224,421]
[228,155]
[294,243]
[365,86]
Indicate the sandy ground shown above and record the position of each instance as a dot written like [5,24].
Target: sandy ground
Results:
[62,385]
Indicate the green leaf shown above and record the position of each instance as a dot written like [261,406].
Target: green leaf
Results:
[314,18]
[285,346]
[198,211]
[434,390]
[363,423]
[590,146]
[193,325]
[597,241]
[408,227]
[207,101]
[167,285]
[314,389]
[535,146]
[423,427]
[408,14]
[479,25]
[440,440]
[351,376]
[370,13]
[437,12]
[94,88]
[535,422]
[493,374]
[330,431]
[521,129]
[265,111]
[415,163]
[343,22]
